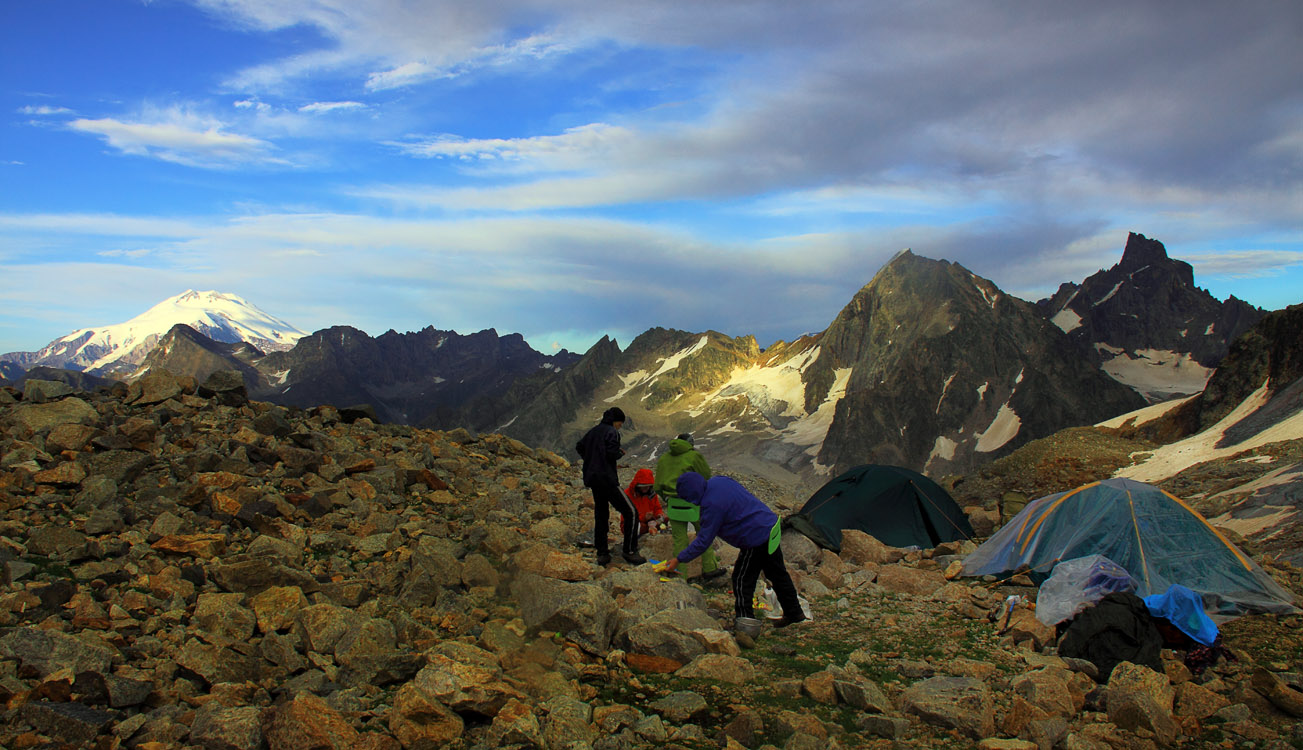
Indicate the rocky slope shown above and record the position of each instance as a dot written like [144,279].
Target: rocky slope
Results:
[184,568]
[1153,328]
[928,367]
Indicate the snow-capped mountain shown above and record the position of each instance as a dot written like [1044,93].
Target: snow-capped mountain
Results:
[118,349]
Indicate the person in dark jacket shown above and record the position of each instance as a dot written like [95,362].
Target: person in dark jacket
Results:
[600,450]
[741,519]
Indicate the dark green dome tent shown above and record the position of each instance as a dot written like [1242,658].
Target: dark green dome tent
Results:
[900,507]
[1154,535]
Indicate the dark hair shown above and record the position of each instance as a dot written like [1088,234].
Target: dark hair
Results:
[686,437]
[613,415]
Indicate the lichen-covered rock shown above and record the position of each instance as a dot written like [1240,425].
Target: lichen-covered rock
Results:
[960,703]
[731,669]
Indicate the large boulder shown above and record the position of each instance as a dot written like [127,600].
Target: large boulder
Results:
[47,651]
[581,612]
[669,634]
[902,579]
[1051,689]
[38,417]
[961,703]
[421,722]
[155,387]
[42,391]
[307,721]
[465,687]
[1140,698]
[224,615]
[720,668]
[217,727]
[865,549]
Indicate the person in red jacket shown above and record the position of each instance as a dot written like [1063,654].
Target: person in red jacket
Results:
[641,492]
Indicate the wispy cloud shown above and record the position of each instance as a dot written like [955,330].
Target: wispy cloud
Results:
[583,146]
[44,110]
[529,49]
[317,108]
[253,104]
[1244,264]
[176,135]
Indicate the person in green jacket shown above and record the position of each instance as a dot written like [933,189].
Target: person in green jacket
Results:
[679,458]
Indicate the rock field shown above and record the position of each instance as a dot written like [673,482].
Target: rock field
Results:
[183,568]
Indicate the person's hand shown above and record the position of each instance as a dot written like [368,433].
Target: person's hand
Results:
[670,565]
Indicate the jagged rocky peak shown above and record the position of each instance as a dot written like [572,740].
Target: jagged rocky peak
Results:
[1141,252]
[1148,323]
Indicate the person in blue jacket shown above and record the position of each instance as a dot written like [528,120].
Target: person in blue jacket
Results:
[600,450]
[741,519]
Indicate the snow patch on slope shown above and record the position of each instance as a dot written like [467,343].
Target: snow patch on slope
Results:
[1157,374]
[1001,430]
[767,385]
[1174,458]
[642,377]
[943,448]
[812,429]
[1066,320]
[1110,294]
[1145,414]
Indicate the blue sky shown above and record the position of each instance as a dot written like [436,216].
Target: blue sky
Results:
[572,169]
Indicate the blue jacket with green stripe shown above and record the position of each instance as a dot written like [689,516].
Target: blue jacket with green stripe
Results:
[727,511]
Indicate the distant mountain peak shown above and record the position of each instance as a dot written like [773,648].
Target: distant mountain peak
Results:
[1141,251]
[118,348]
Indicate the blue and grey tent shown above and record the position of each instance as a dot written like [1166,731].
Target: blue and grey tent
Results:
[1156,536]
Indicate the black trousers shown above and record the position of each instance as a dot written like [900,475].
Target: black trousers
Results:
[607,495]
[753,561]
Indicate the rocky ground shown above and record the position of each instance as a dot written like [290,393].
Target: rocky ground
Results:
[180,567]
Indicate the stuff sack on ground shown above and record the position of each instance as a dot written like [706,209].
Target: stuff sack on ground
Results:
[1115,629]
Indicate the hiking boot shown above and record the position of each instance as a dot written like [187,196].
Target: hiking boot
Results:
[633,558]
[784,621]
[716,573]
[603,558]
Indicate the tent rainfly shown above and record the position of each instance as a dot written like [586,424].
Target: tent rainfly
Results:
[1154,535]
[900,507]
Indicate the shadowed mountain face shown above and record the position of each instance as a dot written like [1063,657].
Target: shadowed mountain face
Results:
[1152,327]
[947,372]
[406,377]
[928,367]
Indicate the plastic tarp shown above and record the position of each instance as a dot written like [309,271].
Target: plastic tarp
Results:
[1077,584]
[1184,609]
[1155,536]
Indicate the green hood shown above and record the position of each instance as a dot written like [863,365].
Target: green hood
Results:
[680,457]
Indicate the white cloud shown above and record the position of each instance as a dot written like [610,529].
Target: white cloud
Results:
[253,104]
[44,110]
[317,108]
[407,74]
[1244,264]
[119,253]
[583,146]
[182,137]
